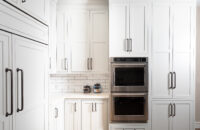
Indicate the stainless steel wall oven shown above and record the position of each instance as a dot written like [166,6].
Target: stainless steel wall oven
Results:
[129,74]
[129,107]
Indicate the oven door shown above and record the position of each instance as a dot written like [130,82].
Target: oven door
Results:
[129,107]
[129,77]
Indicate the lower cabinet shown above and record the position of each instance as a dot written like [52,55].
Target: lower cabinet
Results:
[171,115]
[56,116]
[86,115]
[129,126]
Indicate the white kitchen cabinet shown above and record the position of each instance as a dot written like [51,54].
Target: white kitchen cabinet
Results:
[56,115]
[82,41]
[72,114]
[172,51]
[30,58]
[24,90]
[79,39]
[94,115]
[52,37]
[174,117]
[35,8]
[5,86]
[82,114]
[128,28]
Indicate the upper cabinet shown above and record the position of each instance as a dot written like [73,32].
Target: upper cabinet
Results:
[128,24]
[172,50]
[82,40]
[36,8]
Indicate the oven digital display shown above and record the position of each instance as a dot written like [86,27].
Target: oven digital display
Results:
[129,76]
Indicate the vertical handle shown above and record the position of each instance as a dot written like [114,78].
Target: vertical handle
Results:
[95,107]
[170,110]
[22,89]
[126,45]
[174,80]
[88,63]
[75,107]
[91,64]
[11,72]
[170,80]
[174,110]
[56,112]
[92,108]
[65,64]
[130,45]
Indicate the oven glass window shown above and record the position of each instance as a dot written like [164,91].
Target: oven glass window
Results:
[129,105]
[129,76]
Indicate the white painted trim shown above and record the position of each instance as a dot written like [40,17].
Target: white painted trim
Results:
[197,124]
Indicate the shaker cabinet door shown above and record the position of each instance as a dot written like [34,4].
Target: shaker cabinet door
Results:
[182,49]
[161,52]
[118,29]
[138,28]
[30,57]
[5,81]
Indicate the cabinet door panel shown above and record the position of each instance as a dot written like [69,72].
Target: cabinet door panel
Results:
[87,114]
[79,40]
[182,67]
[182,50]
[72,115]
[182,120]
[138,28]
[182,28]
[99,41]
[161,51]
[31,57]
[100,115]
[160,115]
[118,29]
[5,62]
[14,2]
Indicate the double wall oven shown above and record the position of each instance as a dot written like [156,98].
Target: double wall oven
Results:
[129,89]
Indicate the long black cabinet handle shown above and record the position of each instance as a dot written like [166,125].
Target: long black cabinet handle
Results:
[22,89]
[174,80]
[11,72]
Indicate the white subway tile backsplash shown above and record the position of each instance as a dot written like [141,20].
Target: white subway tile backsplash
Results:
[75,82]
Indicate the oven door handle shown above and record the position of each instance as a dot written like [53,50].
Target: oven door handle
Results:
[143,64]
[129,94]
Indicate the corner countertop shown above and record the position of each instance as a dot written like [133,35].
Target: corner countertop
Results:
[60,96]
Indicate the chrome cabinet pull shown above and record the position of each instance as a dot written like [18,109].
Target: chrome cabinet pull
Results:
[174,110]
[65,64]
[174,80]
[126,45]
[88,63]
[95,107]
[74,107]
[56,112]
[91,65]
[11,72]
[130,45]
[92,108]
[22,90]
[170,80]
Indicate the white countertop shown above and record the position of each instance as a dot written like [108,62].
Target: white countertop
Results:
[60,96]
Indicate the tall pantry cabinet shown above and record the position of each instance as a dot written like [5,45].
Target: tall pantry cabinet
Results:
[23,83]
[173,58]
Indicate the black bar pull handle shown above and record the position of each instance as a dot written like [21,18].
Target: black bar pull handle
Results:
[11,80]
[22,89]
